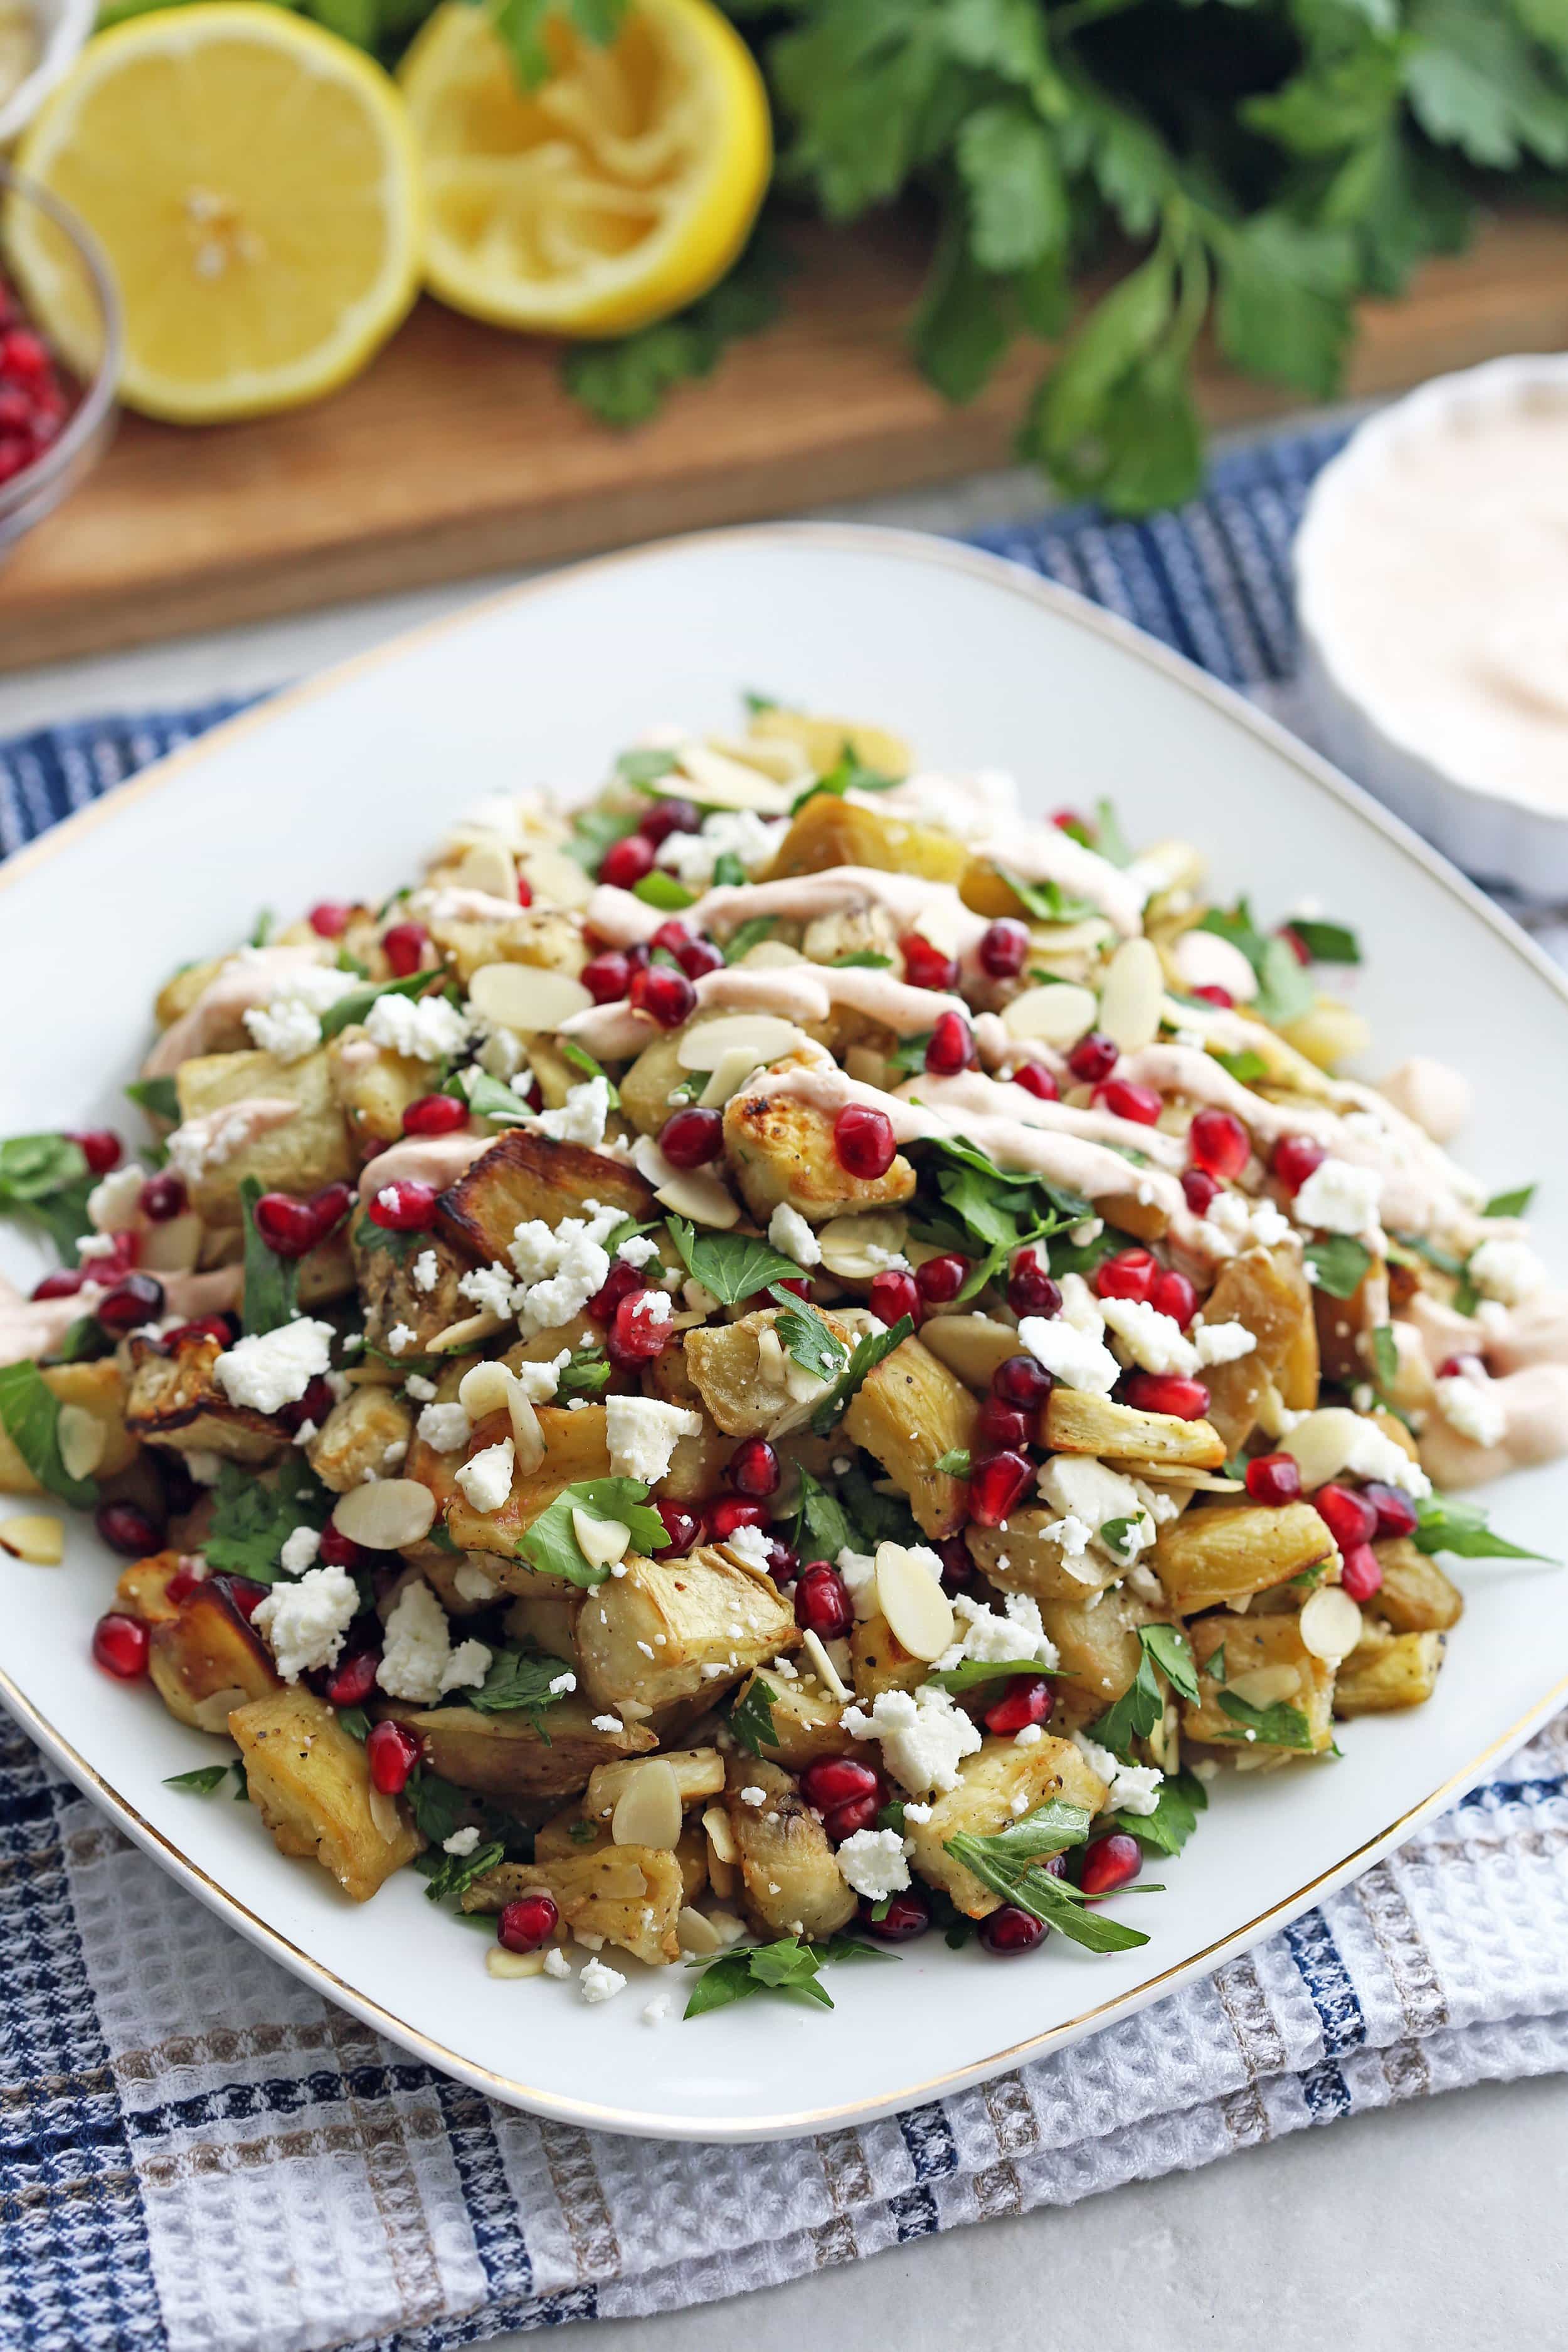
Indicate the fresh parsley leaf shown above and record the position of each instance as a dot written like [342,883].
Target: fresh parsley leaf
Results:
[86,1342]
[1327,942]
[626,382]
[201,1782]
[254,1518]
[1135,1713]
[869,1351]
[581,1832]
[788,1967]
[879,1517]
[1340,1263]
[596,828]
[729,873]
[550,1545]
[47,1178]
[823,1516]
[1246,1067]
[30,1415]
[160,1097]
[750,934]
[437,1805]
[271,1281]
[1117,1536]
[732,1266]
[1278,1725]
[891,1816]
[1182,1798]
[368,1235]
[1446,1523]
[357,1002]
[1046,901]
[813,1346]
[487,1098]
[580,1059]
[1306,1579]
[954,1463]
[643,767]
[1007,1862]
[750,1719]
[1109,837]
[908,1056]
[1168,1648]
[261,929]
[1509,1204]
[355,1722]
[1386,1355]
[1284,990]
[660,890]
[585,1375]
[517,1682]
[454,1871]
[973,1673]
[847,776]
[1068,1256]
[862,960]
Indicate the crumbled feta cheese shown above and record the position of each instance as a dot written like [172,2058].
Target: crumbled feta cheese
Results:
[286,1029]
[1221,1343]
[1030,1736]
[1072,1536]
[642,1433]
[556,1963]
[400,1339]
[755,1549]
[1339,1197]
[486,1480]
[789,1233]
[753,1796]
[115,1203]
[1374,1454]
[539,1382]
[657,2012]
[1073,1357]
[1082,1487]
[461,1840]
[445,1427]
[305,1623]
[426,1270]
[91,1245]
[273,1369]
[1151,1340]
[1015,1635]
[559,1270]
[1503,1269]
[611,1722]
[489,1288]
[915,1811]
[205,1468]
[561,1684]
[1469,1403]
[473,1582]
[1132,1788]
[422,1390]
[298,1552]
[637,1249]
[875,1863]
[417,1660]
[581,1117]
[924,1737]
[598,1982]
[423,1028]
[738,833]
[1267,1226]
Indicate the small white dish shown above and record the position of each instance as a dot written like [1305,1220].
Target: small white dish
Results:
[345,781]
[62,29]
[1489,830]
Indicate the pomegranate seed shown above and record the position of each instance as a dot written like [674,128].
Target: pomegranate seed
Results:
[726,1513]
[1109,1861]
[996,1486]
[1296,943]
[1092,1058]
[1027,1700]
[958,1573]
[1274,1479]
[1131,1274]
[1458,1368]
[795,1282]
[313,1406]
[1030,1290]
[181,1585]
[119,1645]
[288,1226]
[1200,1191]
[864,1143]
[927,967]
[1023,1381]
[1361,1573]
[404,947]
[607,977]
[1009,1929]
[951,1047]
[907,1915]
[754,1467]
[1123,1100]
[1004,949]
[671,936]
[782,1562]
[699,957]
[1067,820]
[623,1280]
[527,1923]
[1001,1428]
[1035,1079]
[435,1115]
[99,1147]
[844,1821]
[128,1529]
[243,1591]
[666,996]
[24,356]
[839,1781]
[667,817]
[404,1207]
[624,863]
[164,1197]
[1174,1295]
[134,1301]
[66,1281]
[219,1327]
[692,1137]
[822,1601]
[1219,1142]
[351,1682]
[892,1295]
[682,1527]
[1166,1392]
[1293,1159]
[341,1551]
[939,1279]
[392,1751]
[1349,1518]
[524,891]
[330,918]
[640,955]
[1396,1512]
[638,1331]
[1211,993]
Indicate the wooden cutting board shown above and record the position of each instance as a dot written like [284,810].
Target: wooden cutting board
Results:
[459,453]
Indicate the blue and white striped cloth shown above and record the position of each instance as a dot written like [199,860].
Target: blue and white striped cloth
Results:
[197,2152]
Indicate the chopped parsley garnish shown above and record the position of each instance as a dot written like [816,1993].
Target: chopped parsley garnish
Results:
[1008,1863]
[662,890]
[550,1545]
[356,1004]
[159,1097]
[1284,990]
[1182,1798]
[788,1967]
[452,1872]
[954,1463]
[732,1266]
[1509,1204]
[749,934]
[201,1782]
[254,1518]
[30,1415]
[271,1282]
[1444,1523]
[1279,1726]
[806,1336]
[752,1719]
[1326,942]
[1134,1715]
[518,1682]
[47,1178]
[1046,901]
[1339,1263]
[868,1352]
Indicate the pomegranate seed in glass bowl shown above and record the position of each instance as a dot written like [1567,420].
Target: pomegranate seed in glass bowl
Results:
[57,406]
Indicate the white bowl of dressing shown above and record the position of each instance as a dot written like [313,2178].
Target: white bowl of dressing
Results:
[1432,586]
[40,41]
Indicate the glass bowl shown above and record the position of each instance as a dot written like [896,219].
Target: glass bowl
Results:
[41,240]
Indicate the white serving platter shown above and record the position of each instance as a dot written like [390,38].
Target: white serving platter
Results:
[339,787]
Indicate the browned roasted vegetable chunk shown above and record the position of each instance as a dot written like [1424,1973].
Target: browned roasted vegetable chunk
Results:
[833,831]
[630,1894]
[96,1389]
[1388,1671]
[1097,1642]
[1035,1561]
[383,1270]
[791,1884]
[142,1589]
[1220,1553]
[1267,1665]
[1075,1420]
[706,1611]
[1416,1596]
[1267,1291]
[909,1411]
[174,1401]
[300,1154]
[806,1723]
[880,1661]
[990,1783]
[523,1176]
[309,1779]
[781,1151]
[575,1449]
[368,1436]
[208,1651]
[508,1756]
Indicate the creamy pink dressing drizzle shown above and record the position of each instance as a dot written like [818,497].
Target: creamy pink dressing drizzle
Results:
[1535,1429]
[207,1142]
[249,979]
[31,1328]
[454,902]
[438,1160]
[795,992]
[621,919]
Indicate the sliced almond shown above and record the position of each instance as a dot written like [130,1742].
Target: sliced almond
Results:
[697,1936]
[688,1192]
[723,784]
[720,1836]
[914,1604]
[827,1673]
[727,1079]
[946,923]
[485,1389]
[212,1713]
[1322,1443]
[555,879]
[467,1333]
[81,1438]
[487,865]
[1267,1686]
[36,1538]
[385,1515]
[384,1814]
[502,1963]
[764,1036]
[856,1248]
[174,1246]
[1132,997]
[723,1876]
[1059,1014]
[601,1542]
[647,1811]
[1064,940]
[771,955]
[526,1437]
[1330,1624]
[970,1345]
[524,997]
[774,756]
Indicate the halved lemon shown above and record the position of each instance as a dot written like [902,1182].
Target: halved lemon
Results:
[614,194]
[254,184]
